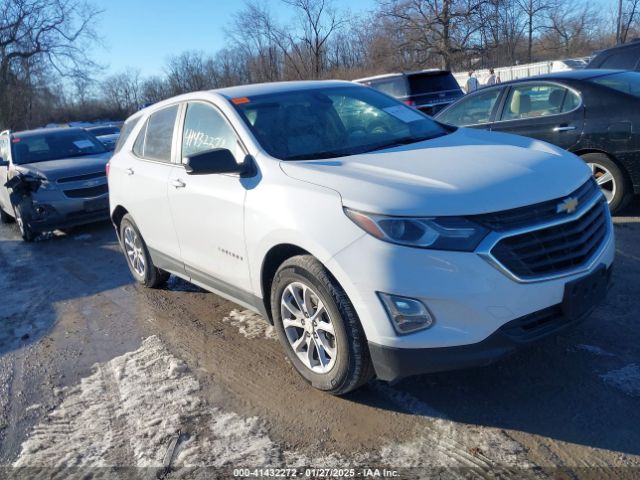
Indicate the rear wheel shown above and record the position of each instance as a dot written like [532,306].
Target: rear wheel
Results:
[318,327]
[611,180]
[137,254]
[26,233]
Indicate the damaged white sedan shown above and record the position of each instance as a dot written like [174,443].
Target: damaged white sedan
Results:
[52,178]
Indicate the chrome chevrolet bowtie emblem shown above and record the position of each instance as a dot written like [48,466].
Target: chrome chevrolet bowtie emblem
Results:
[568,205]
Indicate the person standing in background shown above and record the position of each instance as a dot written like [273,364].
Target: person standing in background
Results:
[492,80]
[472,83]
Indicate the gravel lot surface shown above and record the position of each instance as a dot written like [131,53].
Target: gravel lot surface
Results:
[98,372]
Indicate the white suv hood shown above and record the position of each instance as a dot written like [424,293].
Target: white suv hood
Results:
[464,173]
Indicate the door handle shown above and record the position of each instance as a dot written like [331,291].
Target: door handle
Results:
[177,183]
[130,171]
[564,128]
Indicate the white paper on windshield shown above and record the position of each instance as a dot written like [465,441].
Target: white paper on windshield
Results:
[83,143]
[404,113]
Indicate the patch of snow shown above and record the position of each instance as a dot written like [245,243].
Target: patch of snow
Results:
[127,412]
[626,379]
[595,350]
[250,324]
[35,406]
[447,443]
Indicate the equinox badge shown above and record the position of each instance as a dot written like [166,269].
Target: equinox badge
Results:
[568,205]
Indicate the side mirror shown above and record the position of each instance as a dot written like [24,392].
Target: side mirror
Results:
[3,162]
[217,160]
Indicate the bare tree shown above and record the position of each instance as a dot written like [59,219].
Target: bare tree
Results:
[571,30]
[51,33]
[122,92]
[535,12]
[628,12]
[442,27]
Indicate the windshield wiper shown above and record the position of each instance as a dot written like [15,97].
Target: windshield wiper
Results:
[398,142]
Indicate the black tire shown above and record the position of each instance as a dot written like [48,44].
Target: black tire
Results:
[617,189]
[149,275]
[27,234]
[5,217]
[352,367]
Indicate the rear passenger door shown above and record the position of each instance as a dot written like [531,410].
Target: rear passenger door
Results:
[545,111]
[208,210]
[146,175]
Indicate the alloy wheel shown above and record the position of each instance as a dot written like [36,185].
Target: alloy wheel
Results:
[605,180]
[308,327]
[133,249]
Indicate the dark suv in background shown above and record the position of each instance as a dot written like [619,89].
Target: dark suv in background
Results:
[620,57]
[427,90]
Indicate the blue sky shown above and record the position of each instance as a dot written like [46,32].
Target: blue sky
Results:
[142,34]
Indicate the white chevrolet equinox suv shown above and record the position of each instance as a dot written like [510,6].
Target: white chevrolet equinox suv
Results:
[377,241]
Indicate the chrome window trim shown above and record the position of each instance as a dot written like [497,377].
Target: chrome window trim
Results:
[491,240]
[533,84]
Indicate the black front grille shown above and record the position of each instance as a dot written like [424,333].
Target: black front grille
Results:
[89,192]
[532,214]
[80,178]
[555,249]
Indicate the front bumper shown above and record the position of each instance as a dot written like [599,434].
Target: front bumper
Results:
[393,364]
[43,215]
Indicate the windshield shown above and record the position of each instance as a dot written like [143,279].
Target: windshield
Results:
[332,122]
[625,82]
[46,146]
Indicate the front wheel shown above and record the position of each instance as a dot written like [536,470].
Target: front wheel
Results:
[610,179]
[26,233]
[137,254]
[318,327]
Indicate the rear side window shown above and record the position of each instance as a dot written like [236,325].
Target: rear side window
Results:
[472,110]
[621,60]
[396,87]
[155,140]
[531,101]
[625,82]
[430,82]
[127,128]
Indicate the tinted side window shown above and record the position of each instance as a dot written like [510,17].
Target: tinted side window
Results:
[138,146]
[127,128]
[205,129]
[158,135]
[396,87]
[622,60]
[530,101]
[472,110]
[571,101]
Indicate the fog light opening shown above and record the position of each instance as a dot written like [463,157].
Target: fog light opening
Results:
[407,315]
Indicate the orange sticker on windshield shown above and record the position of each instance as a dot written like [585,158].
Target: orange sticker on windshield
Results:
[240,100]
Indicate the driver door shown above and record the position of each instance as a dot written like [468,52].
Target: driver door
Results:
[208,209]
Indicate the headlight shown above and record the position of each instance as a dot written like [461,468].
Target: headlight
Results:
[439,233]
[47,185]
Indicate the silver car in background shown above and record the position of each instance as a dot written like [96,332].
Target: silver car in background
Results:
[52,178]
[107,134]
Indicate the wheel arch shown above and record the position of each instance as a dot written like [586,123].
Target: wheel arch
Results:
[116,217]
[275,257]
[583,151]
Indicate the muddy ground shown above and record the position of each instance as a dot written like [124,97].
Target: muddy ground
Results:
[97,372]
